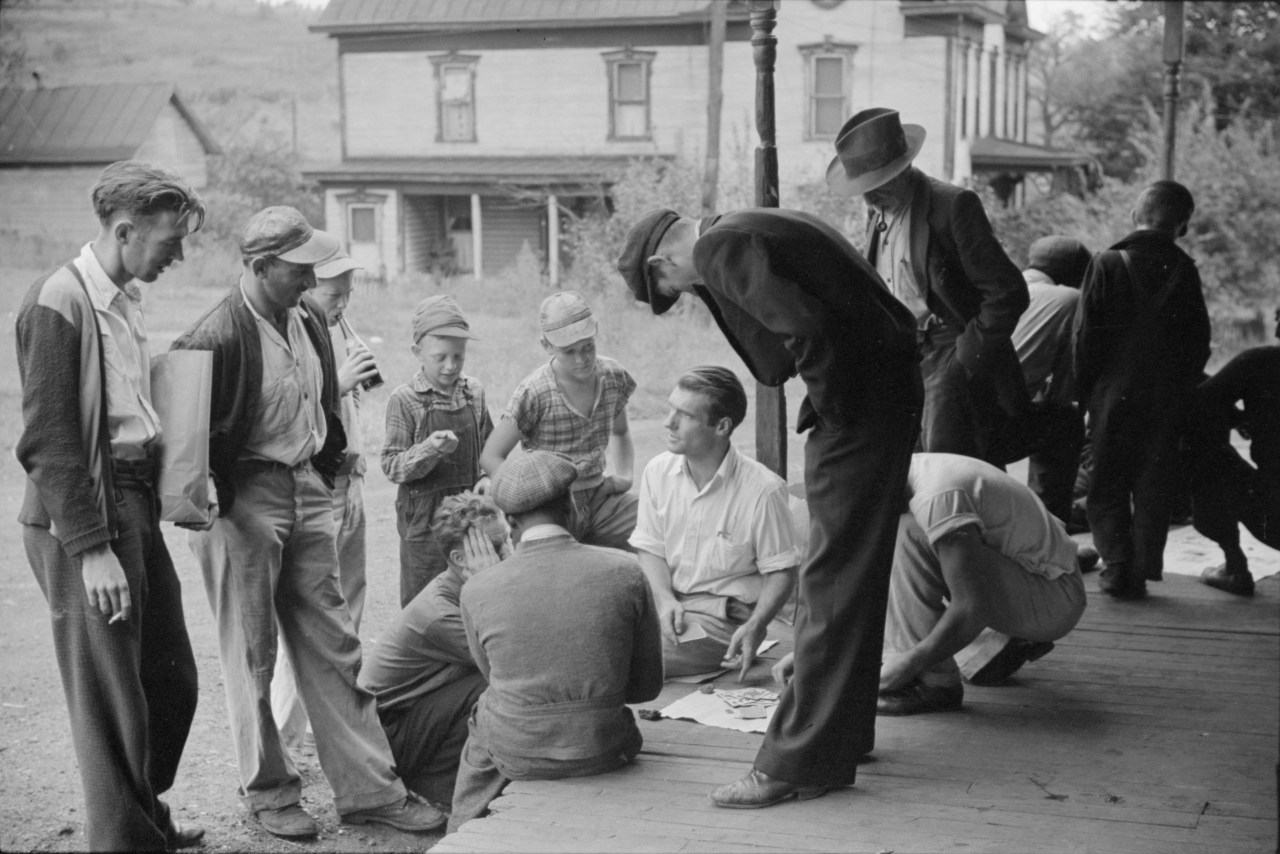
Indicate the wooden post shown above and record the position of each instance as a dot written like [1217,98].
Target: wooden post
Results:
[715,101]
[771,403]
[1173,41]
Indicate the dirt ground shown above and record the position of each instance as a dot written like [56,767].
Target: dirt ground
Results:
[41,806]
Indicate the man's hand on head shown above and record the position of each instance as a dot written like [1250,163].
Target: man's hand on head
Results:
[479,552]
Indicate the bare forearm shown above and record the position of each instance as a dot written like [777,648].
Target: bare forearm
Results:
[777,589]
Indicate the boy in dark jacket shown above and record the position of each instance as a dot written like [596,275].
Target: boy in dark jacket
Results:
[1141,343]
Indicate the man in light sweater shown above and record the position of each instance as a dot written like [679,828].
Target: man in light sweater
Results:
[566,635]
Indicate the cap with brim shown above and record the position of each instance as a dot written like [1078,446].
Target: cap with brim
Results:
[335,266]
[872,148]
[643,240]
[283,232]
[565,319]
[1063,259]
[441,316]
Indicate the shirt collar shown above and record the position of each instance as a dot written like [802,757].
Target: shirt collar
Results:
[728,466]
[422,385]
[544,531]
[101,288]
[249,305]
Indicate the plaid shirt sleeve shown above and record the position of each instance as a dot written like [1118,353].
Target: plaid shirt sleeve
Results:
[402,460]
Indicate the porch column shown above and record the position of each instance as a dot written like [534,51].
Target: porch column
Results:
[553,241]
[477,240]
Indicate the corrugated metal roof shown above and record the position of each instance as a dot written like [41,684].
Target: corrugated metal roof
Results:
[427,15]
[85,124]
[469,170]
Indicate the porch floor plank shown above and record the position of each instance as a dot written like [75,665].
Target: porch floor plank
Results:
[1153,727]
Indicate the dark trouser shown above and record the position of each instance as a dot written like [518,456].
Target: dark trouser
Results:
[1226,492]
[961,415]
[427,735]
[854,478]
[131,687]
[1055,463]
[1135,469]
[420,562]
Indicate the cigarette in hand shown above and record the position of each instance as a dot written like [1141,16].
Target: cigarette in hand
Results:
[117,617]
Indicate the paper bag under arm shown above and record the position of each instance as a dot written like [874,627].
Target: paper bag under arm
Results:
[181,387]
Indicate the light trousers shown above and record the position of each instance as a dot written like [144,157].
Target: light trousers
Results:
[1024,604]
[271,570]
[349,528]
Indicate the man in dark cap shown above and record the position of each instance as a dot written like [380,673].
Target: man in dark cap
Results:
[793,296]
[565,634]
[269,557]
[1042,339]
[932,244]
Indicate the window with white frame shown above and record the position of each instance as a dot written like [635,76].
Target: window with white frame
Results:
[828,85]
[455,97]
[362,224]
[629,103]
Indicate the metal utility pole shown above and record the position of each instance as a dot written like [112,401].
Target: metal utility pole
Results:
[771,403]
[1174,14]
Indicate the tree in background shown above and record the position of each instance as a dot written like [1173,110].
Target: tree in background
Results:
[249,177]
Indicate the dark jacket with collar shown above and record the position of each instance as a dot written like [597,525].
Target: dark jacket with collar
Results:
[1142,331]
[230,332]
[792,295]
[970,284]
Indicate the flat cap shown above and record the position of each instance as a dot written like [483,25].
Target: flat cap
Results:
[640,245]
[530,479]
[1063,259]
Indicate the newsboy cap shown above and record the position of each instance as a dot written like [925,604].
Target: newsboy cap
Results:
[440,315]
[1063,259]
[531,479]
[642,244]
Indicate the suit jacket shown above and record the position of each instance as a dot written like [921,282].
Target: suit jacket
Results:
[969,282]
[792,295]
[1142,331]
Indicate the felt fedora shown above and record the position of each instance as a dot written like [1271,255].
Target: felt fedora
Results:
[871,149]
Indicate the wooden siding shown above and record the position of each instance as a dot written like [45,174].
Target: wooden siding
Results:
[422,228]
[505,230]
[173,144]
[558,97]
[49,207]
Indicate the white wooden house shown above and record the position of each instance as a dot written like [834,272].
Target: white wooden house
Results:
[55,141]
[447,105]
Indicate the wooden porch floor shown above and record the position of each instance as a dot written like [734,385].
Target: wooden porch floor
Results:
[1150,728]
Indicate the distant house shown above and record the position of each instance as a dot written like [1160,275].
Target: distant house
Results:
[54,142]
[450,105]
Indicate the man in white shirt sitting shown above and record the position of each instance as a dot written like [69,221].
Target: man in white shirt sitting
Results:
[714,536]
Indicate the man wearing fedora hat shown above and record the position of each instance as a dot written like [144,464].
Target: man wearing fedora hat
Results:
[269,557]
[793,296]
[932,244]
[566,635]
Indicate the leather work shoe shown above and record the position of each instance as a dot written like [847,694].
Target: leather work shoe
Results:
[1121,586]
[177,836]
[1218,577]
[758,789]
[289,822]
[1087,558]
[1006,662]
[918,698]
[411,814]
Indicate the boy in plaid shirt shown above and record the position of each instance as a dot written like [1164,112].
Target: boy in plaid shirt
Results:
[436,425]
[576,405]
